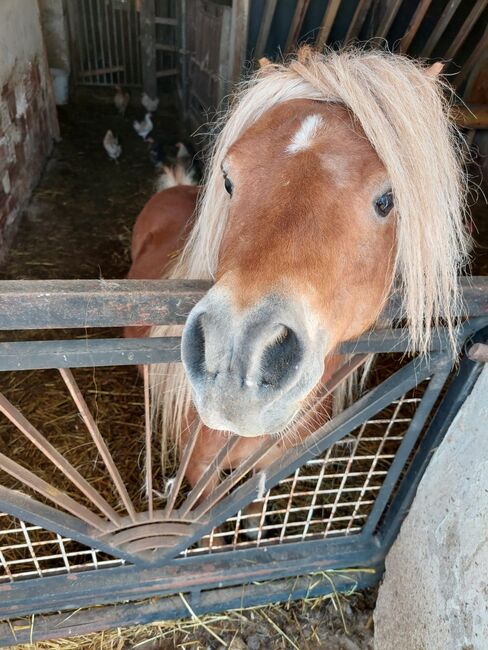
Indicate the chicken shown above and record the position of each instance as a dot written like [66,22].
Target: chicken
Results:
[151,105]
[144,127]
[121,99]
[112,146]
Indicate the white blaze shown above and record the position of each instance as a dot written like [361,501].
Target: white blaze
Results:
[303,138]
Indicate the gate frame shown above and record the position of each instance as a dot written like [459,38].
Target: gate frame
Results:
[211,582]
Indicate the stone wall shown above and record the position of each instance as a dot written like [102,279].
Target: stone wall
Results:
[435,591]
[28,120]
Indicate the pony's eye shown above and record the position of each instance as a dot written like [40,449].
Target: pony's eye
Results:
[384,204]
[229,186]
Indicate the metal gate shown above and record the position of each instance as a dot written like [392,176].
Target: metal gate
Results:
[141,550]
[123,41]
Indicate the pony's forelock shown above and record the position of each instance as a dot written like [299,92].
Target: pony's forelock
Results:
[404,112]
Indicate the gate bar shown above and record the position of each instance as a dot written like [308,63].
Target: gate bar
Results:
[55,304]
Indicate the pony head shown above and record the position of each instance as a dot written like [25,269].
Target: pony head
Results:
[335,180]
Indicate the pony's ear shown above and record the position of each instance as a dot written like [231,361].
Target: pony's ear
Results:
[435,69]
[264,62]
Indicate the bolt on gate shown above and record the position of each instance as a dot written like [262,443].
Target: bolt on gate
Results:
[82,527]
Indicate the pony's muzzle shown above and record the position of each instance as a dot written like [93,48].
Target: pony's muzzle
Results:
[249,369]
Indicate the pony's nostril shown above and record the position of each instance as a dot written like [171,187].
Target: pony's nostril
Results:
[281,358]
[193,347]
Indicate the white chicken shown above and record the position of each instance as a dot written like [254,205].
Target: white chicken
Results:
[151,105]
[112,146]
[121,99]
[144,127]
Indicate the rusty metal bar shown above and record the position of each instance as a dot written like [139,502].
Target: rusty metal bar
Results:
[327,22]
[58,304]
[61,499]
[182,467]
[148,439]
[96,303]
[37,439]
[84,353]
[26,508]
[440,27]
[296,24]
[265,26]
[465,29]
[92,427]
[210,474]
[388,18]
[414,24]
[235,476]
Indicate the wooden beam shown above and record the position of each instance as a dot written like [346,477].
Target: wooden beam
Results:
[166,21]
[474,116]
[357,20]
[327,22]
[164,47]
[266,20]
[170,72]
[466,27]
[98,71]
[148,49]
[388,18]
[238,37]
[296,24]
[473,58]
[414,24]
[440,27]
[225,48]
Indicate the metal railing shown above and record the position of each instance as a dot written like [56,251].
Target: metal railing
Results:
[334,501]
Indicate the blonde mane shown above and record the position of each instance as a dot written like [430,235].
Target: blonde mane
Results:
[404,112]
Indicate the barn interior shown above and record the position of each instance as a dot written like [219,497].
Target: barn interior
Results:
[67,211]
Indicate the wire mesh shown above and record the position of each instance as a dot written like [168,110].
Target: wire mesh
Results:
[28,551]
[329,496]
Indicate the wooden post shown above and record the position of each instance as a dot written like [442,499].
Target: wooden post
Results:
[225,53]
[148,48]
[238,37]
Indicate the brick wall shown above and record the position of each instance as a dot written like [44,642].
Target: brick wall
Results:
[28,125]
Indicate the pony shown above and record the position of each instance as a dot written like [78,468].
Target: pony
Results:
[335,180]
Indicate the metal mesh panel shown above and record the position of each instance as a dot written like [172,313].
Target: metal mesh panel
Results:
[327,497]
[31,552]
